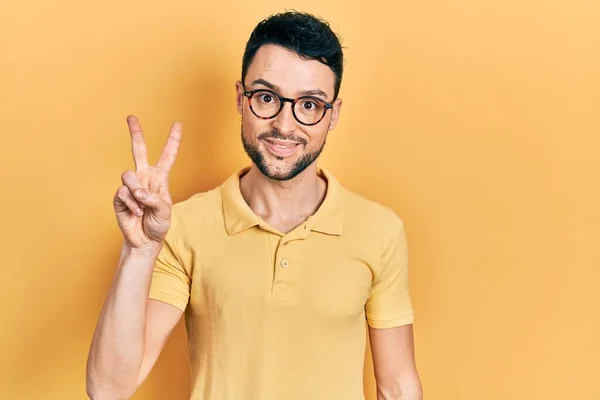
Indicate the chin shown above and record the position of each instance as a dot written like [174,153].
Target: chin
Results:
[277,172]
[278,167]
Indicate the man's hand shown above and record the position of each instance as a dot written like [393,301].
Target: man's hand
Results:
[143,204]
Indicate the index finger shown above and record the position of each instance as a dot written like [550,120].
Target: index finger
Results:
[138,145]
[169,153]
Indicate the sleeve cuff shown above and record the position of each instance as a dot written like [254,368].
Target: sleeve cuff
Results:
[384,323]
[169,299]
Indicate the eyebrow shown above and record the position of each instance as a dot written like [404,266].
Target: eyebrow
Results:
[312,92]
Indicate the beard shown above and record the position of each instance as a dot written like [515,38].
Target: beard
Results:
[253,151]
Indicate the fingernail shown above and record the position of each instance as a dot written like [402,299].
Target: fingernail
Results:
[139,212]
[141,194]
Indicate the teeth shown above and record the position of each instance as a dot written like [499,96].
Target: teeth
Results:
[284,146]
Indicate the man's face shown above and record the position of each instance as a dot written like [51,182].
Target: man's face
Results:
[282,147]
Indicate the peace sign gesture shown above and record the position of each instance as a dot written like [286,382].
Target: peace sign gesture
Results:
[143,204]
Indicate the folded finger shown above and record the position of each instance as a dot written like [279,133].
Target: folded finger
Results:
[131,180]
[124,201]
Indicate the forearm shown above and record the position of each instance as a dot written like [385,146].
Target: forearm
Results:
[406,390]
[414,395]
[118,345]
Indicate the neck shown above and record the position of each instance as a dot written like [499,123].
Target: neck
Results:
[297,198]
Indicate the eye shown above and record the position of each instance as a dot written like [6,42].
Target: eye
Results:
[265,98]
[309,105]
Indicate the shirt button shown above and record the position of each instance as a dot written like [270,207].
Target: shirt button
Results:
[285,263]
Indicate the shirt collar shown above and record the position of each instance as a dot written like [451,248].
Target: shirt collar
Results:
[239,216]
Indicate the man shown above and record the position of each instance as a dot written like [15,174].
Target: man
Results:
[277,269]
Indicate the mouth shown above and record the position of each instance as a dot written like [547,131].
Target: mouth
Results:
[282,148]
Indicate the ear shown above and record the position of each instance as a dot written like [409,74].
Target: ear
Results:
[335,113]
[239,97]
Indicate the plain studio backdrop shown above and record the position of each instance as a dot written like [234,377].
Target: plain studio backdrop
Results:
[476,121]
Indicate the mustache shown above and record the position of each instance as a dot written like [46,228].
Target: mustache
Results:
[278,135]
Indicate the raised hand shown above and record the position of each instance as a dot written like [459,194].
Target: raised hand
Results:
[143,204]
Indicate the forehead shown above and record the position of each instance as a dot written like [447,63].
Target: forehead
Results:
[292,74]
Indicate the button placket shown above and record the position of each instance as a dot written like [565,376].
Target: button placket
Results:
[282,257]
[284,281]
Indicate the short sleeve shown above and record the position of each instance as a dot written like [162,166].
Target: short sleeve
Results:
[171,282]
[389,304]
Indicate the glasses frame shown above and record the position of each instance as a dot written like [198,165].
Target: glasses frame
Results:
[282,101]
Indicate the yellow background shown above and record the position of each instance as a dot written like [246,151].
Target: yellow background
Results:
[477,121]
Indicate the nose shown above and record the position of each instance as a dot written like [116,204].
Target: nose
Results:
[285,121]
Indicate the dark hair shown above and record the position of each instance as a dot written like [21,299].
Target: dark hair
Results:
[306,35]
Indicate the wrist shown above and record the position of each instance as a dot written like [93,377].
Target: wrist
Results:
[150,250]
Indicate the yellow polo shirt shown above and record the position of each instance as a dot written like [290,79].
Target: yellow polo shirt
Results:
[274,316]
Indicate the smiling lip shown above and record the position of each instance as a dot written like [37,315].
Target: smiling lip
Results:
[281,148]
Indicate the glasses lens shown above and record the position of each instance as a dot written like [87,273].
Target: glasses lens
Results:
[309,110]
[265,104]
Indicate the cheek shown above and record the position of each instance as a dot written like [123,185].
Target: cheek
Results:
[317,137]
[250,127]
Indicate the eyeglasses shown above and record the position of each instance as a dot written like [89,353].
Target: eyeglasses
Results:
[308,110]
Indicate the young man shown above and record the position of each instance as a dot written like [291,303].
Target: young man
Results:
[277,269]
